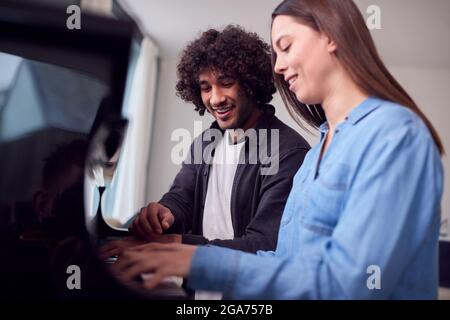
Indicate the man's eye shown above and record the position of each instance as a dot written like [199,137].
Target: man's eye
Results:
[205,89]
[227,83]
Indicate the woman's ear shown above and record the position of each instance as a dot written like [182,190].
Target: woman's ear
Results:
[328,43]
[331,46]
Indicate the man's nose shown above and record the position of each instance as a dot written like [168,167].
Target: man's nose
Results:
[217,97]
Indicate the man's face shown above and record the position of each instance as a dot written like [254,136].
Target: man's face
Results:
[225,100]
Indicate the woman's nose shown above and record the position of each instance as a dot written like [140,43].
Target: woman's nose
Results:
[280,66]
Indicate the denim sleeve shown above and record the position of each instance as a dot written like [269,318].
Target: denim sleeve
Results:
[262,231]
[262,253]
[392,212]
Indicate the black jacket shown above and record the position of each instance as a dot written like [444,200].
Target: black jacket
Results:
[257,201]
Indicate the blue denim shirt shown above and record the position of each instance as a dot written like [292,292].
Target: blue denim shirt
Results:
[363,223]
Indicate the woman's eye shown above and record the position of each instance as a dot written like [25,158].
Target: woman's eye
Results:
[286,49]
[205,89]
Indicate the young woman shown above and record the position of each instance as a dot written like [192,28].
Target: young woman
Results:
[362,219]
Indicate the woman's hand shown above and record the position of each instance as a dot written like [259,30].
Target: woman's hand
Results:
[116,247]
[161,260]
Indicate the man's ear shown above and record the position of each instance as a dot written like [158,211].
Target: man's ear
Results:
[42,203]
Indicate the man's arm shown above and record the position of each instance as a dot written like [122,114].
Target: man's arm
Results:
[180,198]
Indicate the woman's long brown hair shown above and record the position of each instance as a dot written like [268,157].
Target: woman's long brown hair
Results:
[342,22]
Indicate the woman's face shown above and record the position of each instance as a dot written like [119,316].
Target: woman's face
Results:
[304,59]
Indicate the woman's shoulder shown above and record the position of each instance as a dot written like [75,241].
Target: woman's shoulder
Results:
[394,118]
[392,112]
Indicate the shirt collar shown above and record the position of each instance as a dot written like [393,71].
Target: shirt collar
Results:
[323,129]
[359,112]
[363,109]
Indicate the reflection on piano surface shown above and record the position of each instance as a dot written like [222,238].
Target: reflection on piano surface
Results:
[51,86]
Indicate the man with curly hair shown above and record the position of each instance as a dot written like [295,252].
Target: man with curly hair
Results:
[236,205]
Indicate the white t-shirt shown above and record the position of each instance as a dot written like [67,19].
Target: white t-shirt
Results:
[217,223]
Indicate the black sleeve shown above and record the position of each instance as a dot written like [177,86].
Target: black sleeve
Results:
[262,231]
[180,198]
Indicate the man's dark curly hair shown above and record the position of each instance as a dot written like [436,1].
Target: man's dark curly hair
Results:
[234,52]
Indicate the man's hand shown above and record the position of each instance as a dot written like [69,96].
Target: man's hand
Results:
[162,260]
[151,221]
